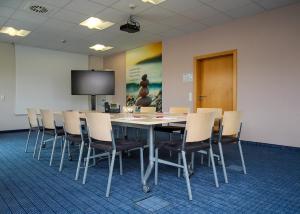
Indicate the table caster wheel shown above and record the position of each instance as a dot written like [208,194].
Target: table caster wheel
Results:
[146,188]
[70,158]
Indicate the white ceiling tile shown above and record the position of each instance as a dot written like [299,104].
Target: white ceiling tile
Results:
[6,11]
[29,17]
[175,21]
[200,12]
[113,15]
[10,3]
[2,21]
[271,4]
[85,7]
[247,10]
[156,14]
[123,5]
[27,4]
[154,27]
[58,25]
[192,27]
[180,5]
[70,16]
[217,19]
[224,5]
[105,2]
[57,3]
[21,24]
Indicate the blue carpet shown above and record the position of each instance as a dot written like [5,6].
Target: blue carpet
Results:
[27,185]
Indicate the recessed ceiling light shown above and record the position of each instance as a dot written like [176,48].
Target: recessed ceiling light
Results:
[14,32]
[95,23]
[154,1]
[99,47]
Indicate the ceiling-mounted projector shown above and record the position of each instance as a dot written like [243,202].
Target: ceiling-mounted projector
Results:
[132,26]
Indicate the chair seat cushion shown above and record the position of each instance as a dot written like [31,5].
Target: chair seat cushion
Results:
[226,139]
[77,138]
[121,145]
[188,147]
[169,129]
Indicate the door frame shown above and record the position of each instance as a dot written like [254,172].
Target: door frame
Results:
[212,55]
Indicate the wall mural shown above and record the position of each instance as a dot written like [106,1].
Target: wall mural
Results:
[144,76]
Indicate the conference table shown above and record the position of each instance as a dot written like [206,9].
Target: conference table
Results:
[146,121]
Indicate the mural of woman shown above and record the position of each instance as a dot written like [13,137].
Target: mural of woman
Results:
[143,98]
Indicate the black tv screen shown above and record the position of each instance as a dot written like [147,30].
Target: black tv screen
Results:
[87,82]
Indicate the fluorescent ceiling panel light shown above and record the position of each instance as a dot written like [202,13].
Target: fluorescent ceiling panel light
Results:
[14,32]
[154,1]
[95,23]
[99,47]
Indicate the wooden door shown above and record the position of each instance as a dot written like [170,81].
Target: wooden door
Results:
[215,81]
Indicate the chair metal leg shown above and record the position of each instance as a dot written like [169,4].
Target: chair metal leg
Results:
[201,159]
[192,160]
[142,162]
[214,166]
[242,157]
[156,167]
[86,165]
[179,163]
[41,145]
[53,148]
[36,141]
[79,161]
[223,162]
[63,155]
[111,169]
[186,173]
[94,159]
[28,137]
[208,159]
[121,163]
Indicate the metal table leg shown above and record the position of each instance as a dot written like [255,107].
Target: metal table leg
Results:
[146,187]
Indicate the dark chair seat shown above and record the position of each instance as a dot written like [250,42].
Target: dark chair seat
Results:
[226,139]
[59,130]
[121,145]
[177,146]
[170,129]
[76,138]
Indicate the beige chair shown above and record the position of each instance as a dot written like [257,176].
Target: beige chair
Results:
[197,136]
[218,118]
[73,133]
[50,129]
[173,128]
[148,109]
[101,137]
[34,125]
[230,132]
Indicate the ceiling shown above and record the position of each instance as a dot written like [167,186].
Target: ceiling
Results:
[171,18]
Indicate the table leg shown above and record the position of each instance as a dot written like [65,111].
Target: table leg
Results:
[146,188]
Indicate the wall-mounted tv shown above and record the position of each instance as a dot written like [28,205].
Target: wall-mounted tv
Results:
[91,82]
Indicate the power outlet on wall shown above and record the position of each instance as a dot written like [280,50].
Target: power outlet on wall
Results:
[2,98]
[190,97]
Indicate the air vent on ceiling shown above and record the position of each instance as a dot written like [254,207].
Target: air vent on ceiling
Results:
[38,9]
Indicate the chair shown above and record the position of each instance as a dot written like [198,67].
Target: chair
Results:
[173,128]
[198,135]
[148,109]
[34,125]
[218,118]
[73,133]
[50,128]
[101,137]
[230,132]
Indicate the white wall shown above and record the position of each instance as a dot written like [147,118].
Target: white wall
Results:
[268,48]
[43,79]
[8,119]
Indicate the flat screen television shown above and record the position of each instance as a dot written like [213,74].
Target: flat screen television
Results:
[91,82]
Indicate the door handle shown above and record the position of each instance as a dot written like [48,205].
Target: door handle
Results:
[201,97]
